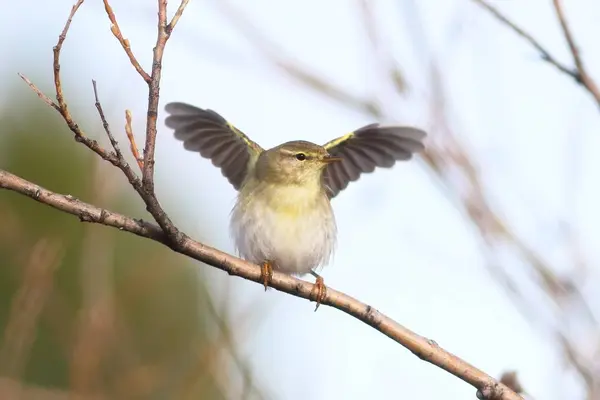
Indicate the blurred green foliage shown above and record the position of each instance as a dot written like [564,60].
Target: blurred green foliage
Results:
[126,317]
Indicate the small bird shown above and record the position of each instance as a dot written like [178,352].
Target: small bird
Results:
[282,219]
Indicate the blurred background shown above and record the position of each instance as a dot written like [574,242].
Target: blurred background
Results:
[487,243]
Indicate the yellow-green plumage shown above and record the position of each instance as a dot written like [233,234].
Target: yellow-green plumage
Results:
[283,213]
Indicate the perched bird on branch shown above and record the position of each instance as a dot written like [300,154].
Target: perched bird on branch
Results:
[283,218]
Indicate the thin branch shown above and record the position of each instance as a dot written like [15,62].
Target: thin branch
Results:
[57,83]
[154,89]
[582,74]
[61,107]
[79,134]
[152,204]
[449,155]
[132,145]
[146,191]
[545,54]
[579,74]
[177,15]
[124,42]
[40,94]
[111,138]
[425,349]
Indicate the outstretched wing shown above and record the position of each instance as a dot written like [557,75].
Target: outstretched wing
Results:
[367,148]
[214,138]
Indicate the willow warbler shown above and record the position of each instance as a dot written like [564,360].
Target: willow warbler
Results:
[282,218]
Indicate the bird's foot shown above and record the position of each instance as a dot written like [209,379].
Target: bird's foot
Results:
[319,290]
[266,273]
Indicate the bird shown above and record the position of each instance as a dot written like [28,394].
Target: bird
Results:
[283,219]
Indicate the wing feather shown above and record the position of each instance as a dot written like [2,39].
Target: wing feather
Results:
[370,147]
[211,135]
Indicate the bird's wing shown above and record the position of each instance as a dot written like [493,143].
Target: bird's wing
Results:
[365,149]
[214,138]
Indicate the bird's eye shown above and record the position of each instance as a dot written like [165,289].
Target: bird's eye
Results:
[301,156]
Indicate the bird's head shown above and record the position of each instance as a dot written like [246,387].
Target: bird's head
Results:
[294,163]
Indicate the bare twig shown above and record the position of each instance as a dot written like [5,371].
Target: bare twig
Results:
[579,74]
[132,145]
[57,83]
[124,42]
[146,191]
[545,54]
[584,78]
[111,138]
[79,135]
[176,17]
[61,106]
[41,95]
[148,194]
[164,32]
[425,349]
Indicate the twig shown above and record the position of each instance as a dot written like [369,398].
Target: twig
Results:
[132,145]
[146,191]
[425,349]
[61,39]
[545,54]
[176,17]
[152,204]
[37,91]
[584,78]
[61,107]
[111,138]
[579,74]
[154,89]
[124,42]
[79,134]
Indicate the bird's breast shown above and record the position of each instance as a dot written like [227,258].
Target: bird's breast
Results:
[293,227]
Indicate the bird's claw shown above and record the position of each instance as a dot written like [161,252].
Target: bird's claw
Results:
[266,274]
[319,291]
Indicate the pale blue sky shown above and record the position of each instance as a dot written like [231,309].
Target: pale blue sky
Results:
[403,248]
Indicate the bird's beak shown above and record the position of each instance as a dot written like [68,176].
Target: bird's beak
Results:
[331,159]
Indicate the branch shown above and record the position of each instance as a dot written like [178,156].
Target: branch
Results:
[444,160]
[132,145]
[167,234]
[145,188]
[544,53]
[423,348]
[152,204]
[124,42]
[583,77]
[579,74]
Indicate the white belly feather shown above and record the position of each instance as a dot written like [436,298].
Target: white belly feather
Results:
[295,236]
